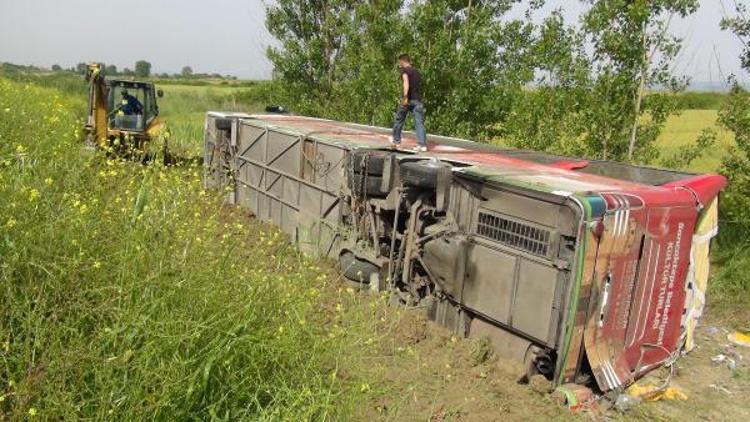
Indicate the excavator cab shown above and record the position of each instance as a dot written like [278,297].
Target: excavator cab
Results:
[122,114]
[131,106]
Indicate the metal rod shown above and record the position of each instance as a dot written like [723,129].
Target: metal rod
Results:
[394,233]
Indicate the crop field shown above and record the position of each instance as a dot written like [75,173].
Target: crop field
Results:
[185,106]
[130,292]
[685,128]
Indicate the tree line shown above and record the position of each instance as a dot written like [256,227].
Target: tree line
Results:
[142,69]
[490,72]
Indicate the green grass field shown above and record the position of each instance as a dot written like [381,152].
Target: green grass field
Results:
[184,108]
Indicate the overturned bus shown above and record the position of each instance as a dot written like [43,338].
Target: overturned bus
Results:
[587,272]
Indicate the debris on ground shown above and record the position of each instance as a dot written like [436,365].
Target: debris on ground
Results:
[712,330]
[652,392]
[626,402]
[721,358]
[739,339]
[575,397]
[720,389]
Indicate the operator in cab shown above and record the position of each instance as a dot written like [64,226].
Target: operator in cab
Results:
[130,105]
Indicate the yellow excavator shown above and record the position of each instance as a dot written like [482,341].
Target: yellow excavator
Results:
[122,115]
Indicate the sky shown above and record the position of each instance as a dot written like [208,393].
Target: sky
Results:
[229,37]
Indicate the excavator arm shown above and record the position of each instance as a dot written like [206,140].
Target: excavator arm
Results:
[96,121]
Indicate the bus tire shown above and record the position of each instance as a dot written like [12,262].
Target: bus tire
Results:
[355,269]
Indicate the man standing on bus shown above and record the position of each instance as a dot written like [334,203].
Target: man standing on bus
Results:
[411,101]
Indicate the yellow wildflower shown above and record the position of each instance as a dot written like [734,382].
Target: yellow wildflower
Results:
[33,195]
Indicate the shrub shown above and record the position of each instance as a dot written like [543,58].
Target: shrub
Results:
[731,281]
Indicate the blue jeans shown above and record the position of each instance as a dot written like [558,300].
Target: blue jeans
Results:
[418,109]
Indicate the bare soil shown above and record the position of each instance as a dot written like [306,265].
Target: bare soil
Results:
[715,392]
[430,374]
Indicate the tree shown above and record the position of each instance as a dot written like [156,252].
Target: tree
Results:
[127,72]
[548,117]
[632,52]
[739,25]
[110,70]
[56,68]
[475,60]
[186,72]
[734,116]
[312,35]
[142,69]
[593,82]
[81,68]
[337,59]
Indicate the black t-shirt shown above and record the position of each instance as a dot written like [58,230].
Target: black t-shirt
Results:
[415,83]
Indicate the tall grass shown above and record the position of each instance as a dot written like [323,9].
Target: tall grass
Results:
[184,108]
[127,292]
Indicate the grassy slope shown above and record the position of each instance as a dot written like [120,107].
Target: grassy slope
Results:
[125,293]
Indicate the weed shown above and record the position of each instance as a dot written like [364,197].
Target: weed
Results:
[481,350]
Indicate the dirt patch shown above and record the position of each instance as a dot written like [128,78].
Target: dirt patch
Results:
[418,370]
[717,388]
[421,371]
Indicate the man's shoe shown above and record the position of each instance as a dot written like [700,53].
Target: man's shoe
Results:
[420,148]
[394,144]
